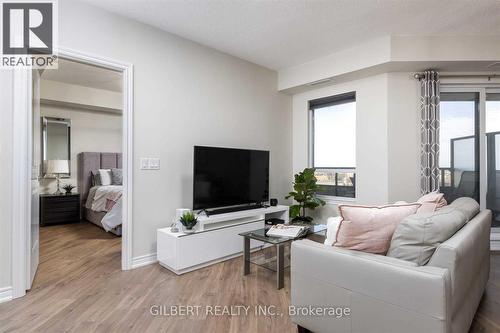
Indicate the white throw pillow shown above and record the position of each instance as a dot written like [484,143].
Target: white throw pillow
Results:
[332,225]
[105,175]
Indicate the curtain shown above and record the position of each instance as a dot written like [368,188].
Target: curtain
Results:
[429,130]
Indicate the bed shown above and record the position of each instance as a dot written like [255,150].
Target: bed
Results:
[95,199]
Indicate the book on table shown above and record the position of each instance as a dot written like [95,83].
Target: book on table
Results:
[282,230]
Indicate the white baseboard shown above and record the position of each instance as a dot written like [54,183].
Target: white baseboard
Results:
[144,260]
[5,294]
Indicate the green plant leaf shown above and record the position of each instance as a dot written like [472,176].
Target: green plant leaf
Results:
[318,201]
[294,211]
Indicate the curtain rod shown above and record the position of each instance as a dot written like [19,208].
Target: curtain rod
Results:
[419,76]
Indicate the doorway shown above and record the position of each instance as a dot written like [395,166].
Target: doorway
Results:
[25,245]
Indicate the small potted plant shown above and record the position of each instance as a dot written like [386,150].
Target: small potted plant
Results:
[188,220]
[68,188]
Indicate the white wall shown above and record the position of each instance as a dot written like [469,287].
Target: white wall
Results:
[184,94]
[5,178]
[403,123]
[338,63]
[76,94]
[387,137]
[90,131]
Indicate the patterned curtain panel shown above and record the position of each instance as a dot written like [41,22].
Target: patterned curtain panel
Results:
[429,122]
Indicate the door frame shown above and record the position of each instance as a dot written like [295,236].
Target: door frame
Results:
[22,155]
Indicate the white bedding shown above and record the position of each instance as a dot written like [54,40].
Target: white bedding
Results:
[113,218]
[98,195]
[97,199]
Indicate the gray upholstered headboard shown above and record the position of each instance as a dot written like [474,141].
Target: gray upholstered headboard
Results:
[88,162]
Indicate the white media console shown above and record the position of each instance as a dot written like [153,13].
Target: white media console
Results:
[215,238]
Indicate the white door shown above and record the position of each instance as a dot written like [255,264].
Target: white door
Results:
[34,237]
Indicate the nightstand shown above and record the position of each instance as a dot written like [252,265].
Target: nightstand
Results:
[56,209]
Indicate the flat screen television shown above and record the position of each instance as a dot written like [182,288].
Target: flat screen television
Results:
[226,177]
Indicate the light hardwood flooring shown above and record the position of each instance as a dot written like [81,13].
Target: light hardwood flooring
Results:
[80,288]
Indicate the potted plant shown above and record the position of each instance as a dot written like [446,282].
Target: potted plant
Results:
[68,188]
[304,193]
[188,220]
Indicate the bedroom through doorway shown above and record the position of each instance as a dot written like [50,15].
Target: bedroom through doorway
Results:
[77,147]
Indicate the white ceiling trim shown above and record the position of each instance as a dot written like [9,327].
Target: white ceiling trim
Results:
[397,53]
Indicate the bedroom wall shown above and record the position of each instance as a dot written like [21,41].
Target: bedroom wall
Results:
[90,131]
[184,94]
[80,95]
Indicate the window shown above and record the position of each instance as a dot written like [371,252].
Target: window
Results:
[464,170]
[459,145]
[332,146]
[492,108]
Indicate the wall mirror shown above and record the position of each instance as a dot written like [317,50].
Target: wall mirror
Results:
[56,143]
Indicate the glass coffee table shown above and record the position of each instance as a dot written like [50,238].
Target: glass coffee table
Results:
[280,244]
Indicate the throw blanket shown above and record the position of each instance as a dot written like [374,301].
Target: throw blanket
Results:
[111,199]
[104,197]
[113,218]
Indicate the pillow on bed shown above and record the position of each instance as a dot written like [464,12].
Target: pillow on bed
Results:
[105,176]
[95,178]
[117,176]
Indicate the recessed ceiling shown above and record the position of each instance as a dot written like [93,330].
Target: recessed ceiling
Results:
[283,33]
[73,72]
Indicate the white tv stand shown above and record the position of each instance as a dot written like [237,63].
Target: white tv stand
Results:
[215,238]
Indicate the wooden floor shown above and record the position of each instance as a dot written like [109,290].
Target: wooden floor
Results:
[80,288]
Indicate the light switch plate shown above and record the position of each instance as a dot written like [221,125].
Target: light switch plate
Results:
[154,164]
[144,163]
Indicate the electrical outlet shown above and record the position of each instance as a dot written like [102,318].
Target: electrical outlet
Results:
[154,164]
[144,163]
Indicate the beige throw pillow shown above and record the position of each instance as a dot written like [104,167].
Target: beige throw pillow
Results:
[417,237]
[370,228]
[434,197]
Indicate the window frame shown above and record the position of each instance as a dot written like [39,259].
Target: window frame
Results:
[343,98]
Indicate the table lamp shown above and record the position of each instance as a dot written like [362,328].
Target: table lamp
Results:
[57,167]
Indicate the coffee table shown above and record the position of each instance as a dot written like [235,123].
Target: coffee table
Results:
[279,243]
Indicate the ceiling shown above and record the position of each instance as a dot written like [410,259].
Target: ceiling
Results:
[73,72]
[283,33]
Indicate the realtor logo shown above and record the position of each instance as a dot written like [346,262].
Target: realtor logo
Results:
[28,34]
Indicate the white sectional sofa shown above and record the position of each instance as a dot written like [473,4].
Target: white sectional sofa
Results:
[385,294]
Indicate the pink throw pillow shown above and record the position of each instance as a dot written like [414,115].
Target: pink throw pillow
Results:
[433,197]
[427,207]
[370,228]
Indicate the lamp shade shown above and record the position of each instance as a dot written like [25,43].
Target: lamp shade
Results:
[57,166]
